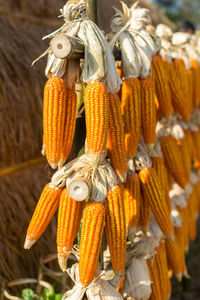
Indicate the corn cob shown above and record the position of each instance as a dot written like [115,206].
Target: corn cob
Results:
[186,157]
[91,236]
[155,286]
[148,110]
[173,160]
[196,80]
[191,90]
[159,166]
[69,126]
[54,114]
[181,243]
[178,101]
[144,214]
[162,86]
[116,139]
[69,219]
[96,115]
[196,141]
[175,259]
[185,226]
[191,145]
[132,200]
[153,192]
[163,259]
[191,217]
[43,214]
[116,227]
[131,112]
[162,270]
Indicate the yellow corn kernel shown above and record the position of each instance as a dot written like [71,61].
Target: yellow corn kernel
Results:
[162,86]
[43,214]
[54,114]
[152,191]
[69,219]
[116,227]
[116,139]
[148,111]
[131,112]
[132,200]
[96,115]
[173,160]
[91,236]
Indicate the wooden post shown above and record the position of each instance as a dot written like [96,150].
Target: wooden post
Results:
[93,10]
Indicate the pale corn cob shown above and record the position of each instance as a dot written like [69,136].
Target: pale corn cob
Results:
[69,126]
[144,214]
[154,194]
[116,138]
[196,80]
[159,166]
[178,101]
[43,214]
[173,159]
[155,286]
[69,219]
[162,86]
[54,115]
[132,201]
[148,111]
[91,236]
[96,115]
[131,112]
[116,227]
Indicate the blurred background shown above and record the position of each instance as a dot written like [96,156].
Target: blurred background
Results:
[23,172]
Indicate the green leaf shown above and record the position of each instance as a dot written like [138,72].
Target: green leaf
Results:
[58,296]
[49,294]
[27,294]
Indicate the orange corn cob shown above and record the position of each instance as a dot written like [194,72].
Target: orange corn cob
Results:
[166,65]
[116,227]
[186,157]
[191,89]
[91,236]
[191,145]
[175,258]
[159,166]
[148,110]
[131,112]
[163,260]
[43,214]
[191,217]
[178,101]
[69,126]
[96,115]
[54,115]
[173,160]
[154,275]
[145,213]
[132,200]
[196,80]
[181,243]
[116,139]
[154,194]
[196,141]
[69,219]
[162,270]
[162,86]
[185,226]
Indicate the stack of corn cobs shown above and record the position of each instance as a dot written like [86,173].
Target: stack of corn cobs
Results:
[139,176]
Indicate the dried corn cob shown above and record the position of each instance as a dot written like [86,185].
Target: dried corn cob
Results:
[116,227]
[191,90]
[69,126]
[116,139]
[191,217]
[162,86]
[186,157]
[180,243]
[96,114]
[190,144]
[196,141]
[54,115]
[178,101]
[162,270]
[159,166]
[91,236]
[148,110]
[163,260]
[132,201]
[144,214]
[154,194]
[43,214]
[196,80]
[155,286]
[69,219]
[131,112]
[185,226]
[173,159]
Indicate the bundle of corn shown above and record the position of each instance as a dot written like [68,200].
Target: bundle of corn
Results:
[121,182]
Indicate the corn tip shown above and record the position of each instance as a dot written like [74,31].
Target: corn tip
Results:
[179,276]
[54,165]
[62,261]
[29,243]
[171,237]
